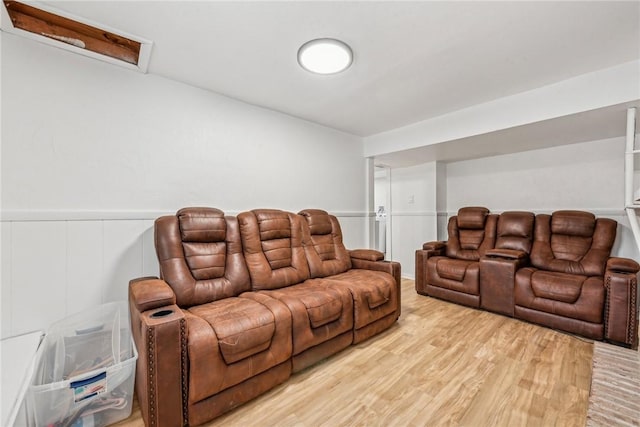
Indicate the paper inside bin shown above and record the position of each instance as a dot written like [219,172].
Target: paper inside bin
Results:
[90,387]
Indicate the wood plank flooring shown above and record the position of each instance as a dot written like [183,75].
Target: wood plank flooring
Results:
[441,364]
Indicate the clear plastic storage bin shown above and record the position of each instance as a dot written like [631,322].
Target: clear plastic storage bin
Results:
[85,369]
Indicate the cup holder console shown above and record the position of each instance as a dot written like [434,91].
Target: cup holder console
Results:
[161,313]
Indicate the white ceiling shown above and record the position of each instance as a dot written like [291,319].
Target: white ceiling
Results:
[603,123]
[412,60]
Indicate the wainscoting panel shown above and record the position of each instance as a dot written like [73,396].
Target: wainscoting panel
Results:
[149,258]
[354,230]
[408,232]
[123,255]
[85,253]
[625,245]
[411,230]
[38,274]
[54,267]
[5,296]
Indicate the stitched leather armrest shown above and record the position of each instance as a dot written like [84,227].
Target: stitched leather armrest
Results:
[367,254]
[391,267]
[148,293]
[621,315]
[429,249]
[434,246]
[506,253]
[160,336]
[622,265]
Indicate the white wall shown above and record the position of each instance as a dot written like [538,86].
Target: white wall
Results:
[413,212]
[587,176]
[587,92]
[578,176]
[80,134]
[92,153]
[381,189]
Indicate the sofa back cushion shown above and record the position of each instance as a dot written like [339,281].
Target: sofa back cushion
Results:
[322,241]
[471,233]
[272,244]
[515,231]
[573,242]
[200,255]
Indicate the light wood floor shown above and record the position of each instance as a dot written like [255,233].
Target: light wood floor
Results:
[441,364]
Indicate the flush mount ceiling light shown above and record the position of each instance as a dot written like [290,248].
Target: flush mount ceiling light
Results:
[325,56]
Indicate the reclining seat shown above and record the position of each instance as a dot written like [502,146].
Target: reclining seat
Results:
[452,268]
[564,287]
[206,345]
[322,316]
[375,293]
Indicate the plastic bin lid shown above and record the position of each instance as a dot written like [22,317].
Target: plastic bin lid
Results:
[18,363]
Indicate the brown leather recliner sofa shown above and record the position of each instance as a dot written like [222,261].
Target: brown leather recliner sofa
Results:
[245,301]
[554,270]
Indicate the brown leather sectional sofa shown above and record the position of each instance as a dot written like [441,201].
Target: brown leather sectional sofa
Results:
[245,301]
[553,270]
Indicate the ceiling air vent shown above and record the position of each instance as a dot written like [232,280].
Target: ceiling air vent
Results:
[60,29]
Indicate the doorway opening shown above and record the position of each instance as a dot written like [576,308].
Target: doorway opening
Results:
[382,207]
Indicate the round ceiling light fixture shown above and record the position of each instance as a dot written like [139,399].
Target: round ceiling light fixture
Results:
[325,56]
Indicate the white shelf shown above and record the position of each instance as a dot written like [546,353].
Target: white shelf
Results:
[630,162]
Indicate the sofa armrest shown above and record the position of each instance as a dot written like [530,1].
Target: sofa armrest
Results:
[429,249]
[434,246]
[160,335]
[621,311]
[366,254]
[506,253]
[391,267]
[622,265]
[147,293]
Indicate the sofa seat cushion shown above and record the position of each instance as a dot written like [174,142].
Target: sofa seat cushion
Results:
[318,312]
[452,269]
[322,307]
[454,274]
[573,296]
[374,293]
[244,327]
[212,330]
[557,286]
